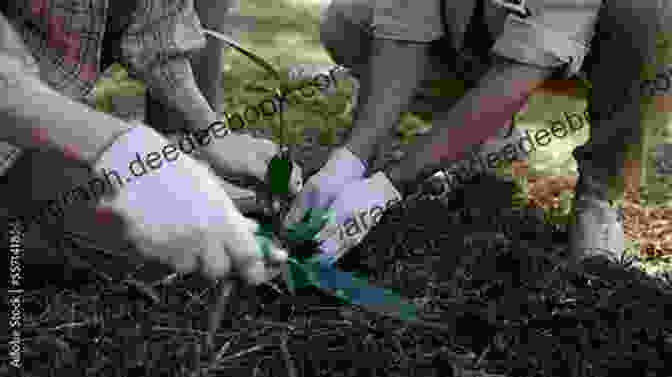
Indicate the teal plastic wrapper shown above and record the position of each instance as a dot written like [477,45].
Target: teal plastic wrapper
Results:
[344,285]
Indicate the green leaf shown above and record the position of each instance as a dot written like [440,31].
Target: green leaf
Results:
[311,225]
[280,173]
[303,274]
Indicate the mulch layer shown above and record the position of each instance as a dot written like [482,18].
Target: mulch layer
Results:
[493,291]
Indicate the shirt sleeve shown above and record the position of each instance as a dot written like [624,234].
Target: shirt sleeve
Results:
[556,34]
[156,46]
[12,48]
[15,60]
[416,21]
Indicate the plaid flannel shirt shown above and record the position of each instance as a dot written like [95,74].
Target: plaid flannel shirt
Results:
[152,38]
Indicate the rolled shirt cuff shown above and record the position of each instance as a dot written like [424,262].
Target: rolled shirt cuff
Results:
[526,41]
[399,20]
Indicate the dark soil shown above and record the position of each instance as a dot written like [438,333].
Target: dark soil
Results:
[493,276]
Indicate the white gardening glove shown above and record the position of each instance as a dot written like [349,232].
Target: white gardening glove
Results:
[247,164]
[180,213]
[321,189]
[356,209]
[248,156]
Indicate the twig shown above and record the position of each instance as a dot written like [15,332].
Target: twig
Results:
[93,245]
[180,330]
[220,307]
[291,370]
[243,353]
[272,324]
[274,287]
[328,322]
[169,279]
[69,325]
[79,262]
[90,322]
[223,350]
[195,297]
[430,325]
[146,291]
[257,368]
[213,367]
[482,357]
[68,330]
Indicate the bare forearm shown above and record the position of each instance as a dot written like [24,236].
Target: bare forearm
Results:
[500,94]
[207,67]
[34,116]
[174,84]
[224,154]
[395,71]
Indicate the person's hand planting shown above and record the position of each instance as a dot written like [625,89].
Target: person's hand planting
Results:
[240,154]
[180,214]
[321,190]
[357,208]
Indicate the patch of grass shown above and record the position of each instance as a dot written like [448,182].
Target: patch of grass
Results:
[658,191]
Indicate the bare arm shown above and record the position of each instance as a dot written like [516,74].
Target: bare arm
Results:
[156,45]
[34,116]
[501,93]
[396,69]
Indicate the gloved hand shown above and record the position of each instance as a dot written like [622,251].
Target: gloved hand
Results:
[249,156]
[357,208]
[248,164]
[319,192]
[180,213]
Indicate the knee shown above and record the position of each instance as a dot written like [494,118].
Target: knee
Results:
[343,26]
[214,14]
[331,26]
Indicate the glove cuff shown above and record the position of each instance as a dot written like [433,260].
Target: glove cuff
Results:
[125,147]
[343,160]
[136,153]
[381,180]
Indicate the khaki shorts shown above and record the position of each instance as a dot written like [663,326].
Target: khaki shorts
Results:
[349,25]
